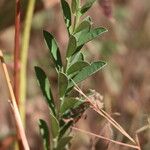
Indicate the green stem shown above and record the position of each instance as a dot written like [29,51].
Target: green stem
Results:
[76,21]
[24,56]
[74,24]
[76,18]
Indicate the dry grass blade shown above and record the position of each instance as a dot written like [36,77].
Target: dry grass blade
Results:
[138,142]
[114,123]
[105,115]
[118,125]
[104,138]
[15,111]
[143,128]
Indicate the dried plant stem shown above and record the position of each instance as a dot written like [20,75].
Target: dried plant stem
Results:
[119,126]
[107,139]
[15,111]
[114,123]
[143,128]
[24,56]
[105,115]
[16,51]
[138,142]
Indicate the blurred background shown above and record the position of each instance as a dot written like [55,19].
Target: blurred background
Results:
[124,83]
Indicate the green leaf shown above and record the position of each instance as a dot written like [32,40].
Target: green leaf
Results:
[79,48]
[87,6]
[87,71]
[63,142]
[54,126]
[85,24]
[74,6]
[64,129]
[87,35]
[77,67]
[62,84]
[45,87]
[45,134]
[67,103]
[66,13]
[54,50]
[72,45]
[76,57]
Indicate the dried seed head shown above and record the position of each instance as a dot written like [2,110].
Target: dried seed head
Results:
[96,99]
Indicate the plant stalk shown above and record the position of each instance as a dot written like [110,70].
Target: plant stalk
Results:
[16,51]
[19,126]
[24,56]
[17,58]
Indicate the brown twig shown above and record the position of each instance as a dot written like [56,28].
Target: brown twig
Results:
[15,111]
[16,51]
[104,138]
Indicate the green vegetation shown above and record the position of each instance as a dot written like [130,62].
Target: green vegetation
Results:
[76,69]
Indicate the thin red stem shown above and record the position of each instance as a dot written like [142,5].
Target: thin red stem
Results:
[17,59]
[16,51]
[107,139]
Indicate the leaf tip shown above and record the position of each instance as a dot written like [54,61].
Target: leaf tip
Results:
[37,69]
